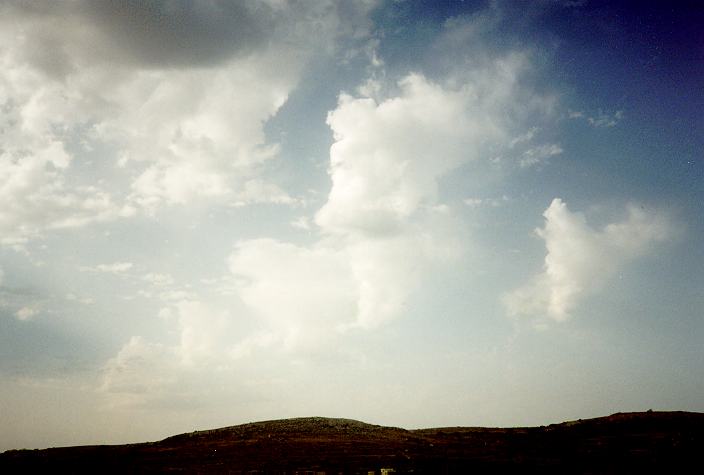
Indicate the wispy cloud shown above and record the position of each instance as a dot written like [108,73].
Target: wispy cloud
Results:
[26,313]
[159,280]
[302,222]
[486,202]
[113,268]
[538,155]
[601,119]
[71,297]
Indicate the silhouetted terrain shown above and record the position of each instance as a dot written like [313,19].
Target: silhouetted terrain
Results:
[652,442]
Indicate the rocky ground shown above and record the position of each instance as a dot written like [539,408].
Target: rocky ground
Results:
[652,442]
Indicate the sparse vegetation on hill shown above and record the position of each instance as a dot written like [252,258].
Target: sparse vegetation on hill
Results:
[652,442]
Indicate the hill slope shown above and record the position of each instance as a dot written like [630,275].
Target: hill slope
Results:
[663,442]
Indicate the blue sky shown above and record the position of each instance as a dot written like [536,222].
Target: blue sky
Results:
[408,213]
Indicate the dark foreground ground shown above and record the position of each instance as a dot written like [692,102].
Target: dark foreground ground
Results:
[652,442]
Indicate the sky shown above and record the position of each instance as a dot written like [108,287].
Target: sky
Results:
[410,213]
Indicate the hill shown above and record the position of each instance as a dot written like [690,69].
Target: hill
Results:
[662,442]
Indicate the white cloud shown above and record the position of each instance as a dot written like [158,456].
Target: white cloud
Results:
[382,225]
[35,195]
[258,191]
[140,373]
[387,271]
[26,313]
[202,141]
[182,108]
[205,332]
[538,155]
[380,231]
[523,138]
[174,295]
[388,156]
[308,294]
[301,293]
[302,222]
[580,259]
[528,153]
[144,372]
[157,279]
[38,116]
[257,341]
[114,268]
[606,120]
[486,202]
[601,119]
[71,297]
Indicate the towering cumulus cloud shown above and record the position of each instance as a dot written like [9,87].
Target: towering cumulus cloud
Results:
[581,259]
[381,226]
[388,156]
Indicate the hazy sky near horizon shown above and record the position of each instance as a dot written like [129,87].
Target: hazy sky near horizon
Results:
[410,213]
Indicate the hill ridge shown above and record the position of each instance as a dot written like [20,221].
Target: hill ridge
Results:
[635,442]
[294,424]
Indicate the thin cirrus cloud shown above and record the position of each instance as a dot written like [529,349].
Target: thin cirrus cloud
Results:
[580,259]
[538,155]
[601,119]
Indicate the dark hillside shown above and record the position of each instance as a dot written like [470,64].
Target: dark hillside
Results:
[652,442]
